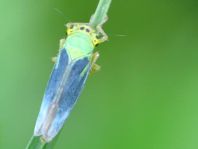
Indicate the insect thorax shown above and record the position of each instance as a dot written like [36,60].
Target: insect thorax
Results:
[97,35]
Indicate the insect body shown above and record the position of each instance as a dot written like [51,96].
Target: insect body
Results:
[73,64]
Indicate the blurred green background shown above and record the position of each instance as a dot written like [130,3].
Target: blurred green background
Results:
[145,97]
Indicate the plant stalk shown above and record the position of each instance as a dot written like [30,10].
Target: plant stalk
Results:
[100,15]
[36,143]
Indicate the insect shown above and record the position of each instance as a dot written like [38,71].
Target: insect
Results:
[75,61]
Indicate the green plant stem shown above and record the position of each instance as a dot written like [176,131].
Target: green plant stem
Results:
[100,14]
[36,143]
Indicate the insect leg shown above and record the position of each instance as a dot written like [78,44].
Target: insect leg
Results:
[94,67]
[103,35]
[61,45]
[54,59]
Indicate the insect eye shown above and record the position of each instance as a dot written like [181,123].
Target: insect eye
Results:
[97,36]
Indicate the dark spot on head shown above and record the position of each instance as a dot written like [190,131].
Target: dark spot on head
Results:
[87,30]
[72,26]
[97,45]
[82,28]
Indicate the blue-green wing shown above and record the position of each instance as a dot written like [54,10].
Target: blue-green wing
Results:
[64,87]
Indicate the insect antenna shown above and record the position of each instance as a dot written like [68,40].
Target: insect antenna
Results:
[60,12]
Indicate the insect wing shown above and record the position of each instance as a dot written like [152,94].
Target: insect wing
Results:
[71,91]
[65,84]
